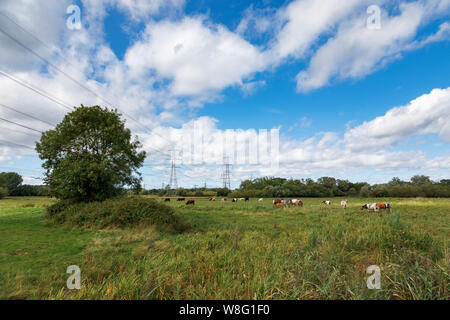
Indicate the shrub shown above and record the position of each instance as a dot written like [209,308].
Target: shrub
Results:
[118,212]
[3,192]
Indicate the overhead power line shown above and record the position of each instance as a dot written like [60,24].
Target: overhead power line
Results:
[47,95]
[21,125]
[8,143]
[26,114]
[35,89]
[73,79]
[31,134]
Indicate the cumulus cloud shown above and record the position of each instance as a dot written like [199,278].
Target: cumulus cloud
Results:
[139,9]
[304,21]
[429,113]
[199,58]
[356,51]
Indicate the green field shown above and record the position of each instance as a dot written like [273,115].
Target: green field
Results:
[233,251]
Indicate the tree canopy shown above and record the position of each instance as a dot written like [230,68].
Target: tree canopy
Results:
[419,186]
[90,155]
[10,180]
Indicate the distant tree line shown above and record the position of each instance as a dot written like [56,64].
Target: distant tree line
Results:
[418,186]
[11,185]
[188,192]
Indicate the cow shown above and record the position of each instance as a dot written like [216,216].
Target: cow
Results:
[181,199]
[275,201]
[384,205]
[287,202]
[297,202]
[279,204]
[370,206]
[224,199]
[344,204]
[212,199]
[241,199]
[167,200]
[327,202]
[190,202]
[234,200]
[260,200]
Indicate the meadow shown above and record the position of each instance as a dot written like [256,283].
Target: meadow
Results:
[244,250]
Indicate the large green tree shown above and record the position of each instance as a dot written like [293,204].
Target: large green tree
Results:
[10,180]
[90,155]
[420,180]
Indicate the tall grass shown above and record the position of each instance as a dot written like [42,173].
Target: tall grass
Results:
[245,251]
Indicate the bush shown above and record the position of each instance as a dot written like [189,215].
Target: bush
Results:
[119,212]
[3,192]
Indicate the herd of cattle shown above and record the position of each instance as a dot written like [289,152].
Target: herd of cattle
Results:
[278,203]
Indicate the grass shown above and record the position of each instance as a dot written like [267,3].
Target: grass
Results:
[244,250]
[117,213]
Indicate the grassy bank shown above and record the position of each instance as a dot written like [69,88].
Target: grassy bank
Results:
[233,251]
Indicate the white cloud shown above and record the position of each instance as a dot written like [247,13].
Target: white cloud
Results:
[429,113]
[140,9]
[199,58]
[305,21]
[356,51]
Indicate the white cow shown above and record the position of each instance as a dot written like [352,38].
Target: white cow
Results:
[260,200]
[370,206]
[327,202]
[344,203]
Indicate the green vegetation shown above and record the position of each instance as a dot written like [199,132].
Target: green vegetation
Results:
[3,192]
[89,156]
[120,212]
[244,250]
[10,181]
[419,186]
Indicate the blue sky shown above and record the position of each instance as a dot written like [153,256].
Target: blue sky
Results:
[315,73]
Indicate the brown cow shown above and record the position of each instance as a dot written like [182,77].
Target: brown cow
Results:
[212,199]
[384,205]
[280,204]
[190,202]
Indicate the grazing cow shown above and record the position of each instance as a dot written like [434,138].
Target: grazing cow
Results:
[212,199]
[344,203]
[167,200]
[370,206]
[279,204]
[297,202]
[181,199]
[276,201]
[224,199]
[260,200]
[327,202]
[384,205]
[234,200]
[247,199]
[190,202]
